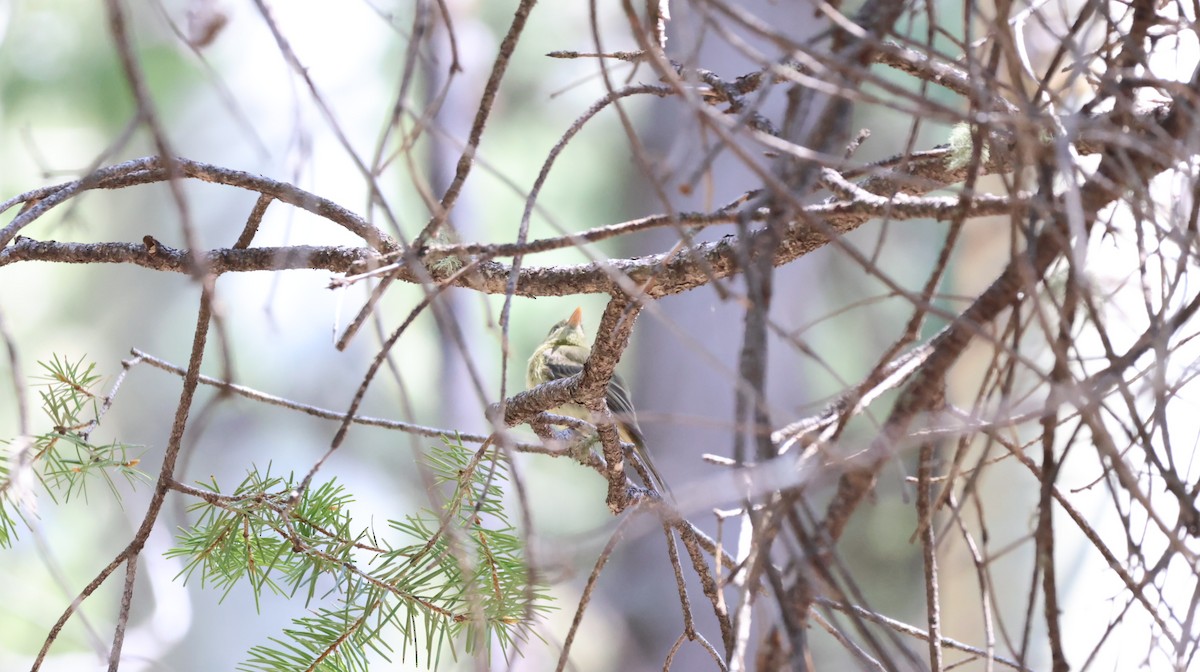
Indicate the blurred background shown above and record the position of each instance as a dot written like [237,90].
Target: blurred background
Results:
[235,102]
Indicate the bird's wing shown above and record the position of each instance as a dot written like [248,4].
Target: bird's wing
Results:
[560,367]
[621,406]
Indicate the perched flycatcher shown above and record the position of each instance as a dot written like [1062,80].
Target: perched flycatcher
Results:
[562,355]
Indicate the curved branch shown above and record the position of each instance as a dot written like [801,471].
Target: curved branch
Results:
[151,169]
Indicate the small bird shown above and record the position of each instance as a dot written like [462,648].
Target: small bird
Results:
[562,355]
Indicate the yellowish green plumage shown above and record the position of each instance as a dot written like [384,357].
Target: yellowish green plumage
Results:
[562,355]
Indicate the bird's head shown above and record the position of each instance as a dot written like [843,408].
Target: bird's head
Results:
[568,331]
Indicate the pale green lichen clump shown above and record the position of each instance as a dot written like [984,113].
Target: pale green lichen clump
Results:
[961,149]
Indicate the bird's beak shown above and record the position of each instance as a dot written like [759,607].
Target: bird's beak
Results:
[576,317]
